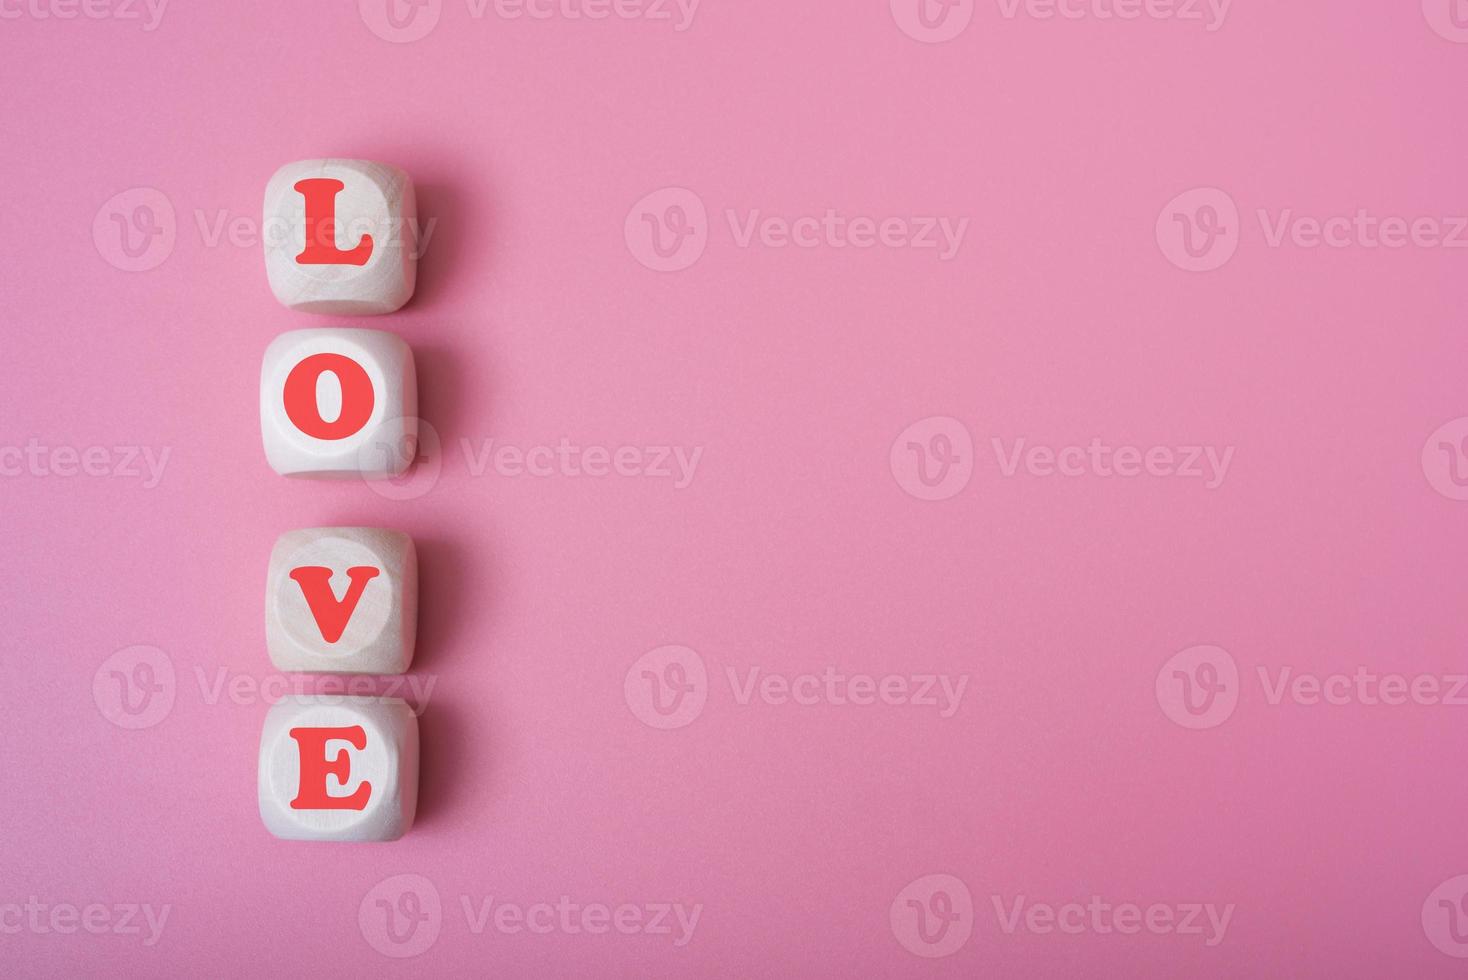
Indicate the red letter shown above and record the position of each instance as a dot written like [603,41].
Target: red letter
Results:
[320,194]
[312,794]
[331,615]
[357,396]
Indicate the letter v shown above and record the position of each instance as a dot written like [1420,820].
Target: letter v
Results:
[331,614]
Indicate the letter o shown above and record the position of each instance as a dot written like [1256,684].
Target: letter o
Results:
[357,396]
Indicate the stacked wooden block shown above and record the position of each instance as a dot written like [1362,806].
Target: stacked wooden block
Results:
[340,402]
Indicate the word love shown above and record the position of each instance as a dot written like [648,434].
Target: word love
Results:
[340,402]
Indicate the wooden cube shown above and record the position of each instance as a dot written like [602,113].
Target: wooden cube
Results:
[340,237]
[342,600]
[339,402]
[339,768]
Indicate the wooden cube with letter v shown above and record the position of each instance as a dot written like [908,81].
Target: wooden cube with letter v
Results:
[342,600]
[336,768]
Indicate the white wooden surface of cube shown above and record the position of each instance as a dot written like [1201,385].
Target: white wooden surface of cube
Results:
[342,600]
[339,402]
[340,237]
[339,768]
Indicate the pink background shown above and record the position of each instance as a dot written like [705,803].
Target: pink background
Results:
[794,549]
